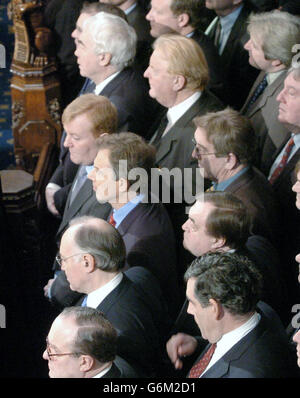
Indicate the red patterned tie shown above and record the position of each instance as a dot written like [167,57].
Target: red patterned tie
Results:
[201,365]
[283,161]
[112,220]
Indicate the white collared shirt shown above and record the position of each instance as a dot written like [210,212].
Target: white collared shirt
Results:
[229,339]
[272,76]
[97,296]
[102,373]
[175,112]
[105,82]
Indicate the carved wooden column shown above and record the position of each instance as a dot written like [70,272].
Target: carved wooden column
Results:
[35,87]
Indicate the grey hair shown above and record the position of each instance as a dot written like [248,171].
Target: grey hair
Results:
[279,32]
[112,34]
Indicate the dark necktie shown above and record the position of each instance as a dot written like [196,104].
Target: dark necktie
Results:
[161,128]
[283,160]
[258,91]
[217,34]
[201,365]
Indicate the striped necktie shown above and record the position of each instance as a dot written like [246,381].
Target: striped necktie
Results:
[201,365]
[283,160]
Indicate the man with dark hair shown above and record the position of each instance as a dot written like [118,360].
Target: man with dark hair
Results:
[220,222]
[229,33]
[183,17]
[223,291]
[92,255]
[120,178]
[82,343]
[225,149]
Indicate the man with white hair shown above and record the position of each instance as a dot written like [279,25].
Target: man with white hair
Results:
[106,47]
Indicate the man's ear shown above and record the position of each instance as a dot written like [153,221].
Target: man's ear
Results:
[231,161]
[183,20]
[104,59]
[179,82]
[86,363]
[123,185]
[89,262]
[218,243]
[217,309]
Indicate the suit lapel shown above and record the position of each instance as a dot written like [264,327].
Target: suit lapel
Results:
[114,296]
[268,92]
[114,83]
[221,367]
[288,169]
[234,34]
[178,128]
[85,193]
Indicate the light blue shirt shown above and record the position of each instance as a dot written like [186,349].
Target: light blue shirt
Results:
[123,212]
[221,186]
[227,23]
[131,8]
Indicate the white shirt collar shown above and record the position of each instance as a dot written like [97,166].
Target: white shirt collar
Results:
[229,339]
[175,112]
[272,76]
[102,373]
[105,82]
[97,296]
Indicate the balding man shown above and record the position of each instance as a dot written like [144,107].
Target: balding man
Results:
[92,255]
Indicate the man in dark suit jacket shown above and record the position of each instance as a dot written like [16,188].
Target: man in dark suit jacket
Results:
[225,149]
[116,80]
[238,73]
[142,222]
[92,255]
[174,85]
[223,290]
[85,119]
[82,343]
[271,34]
[183,17]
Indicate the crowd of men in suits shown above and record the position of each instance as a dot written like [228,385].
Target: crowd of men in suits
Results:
[208,89]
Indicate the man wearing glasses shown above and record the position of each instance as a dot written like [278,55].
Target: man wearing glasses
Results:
[225,148]
[82,343]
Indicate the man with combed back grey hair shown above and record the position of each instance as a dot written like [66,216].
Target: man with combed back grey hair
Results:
[223,290]
[273,36]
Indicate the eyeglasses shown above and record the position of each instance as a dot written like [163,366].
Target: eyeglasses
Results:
[60,259]
[197,150]
[50,355]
